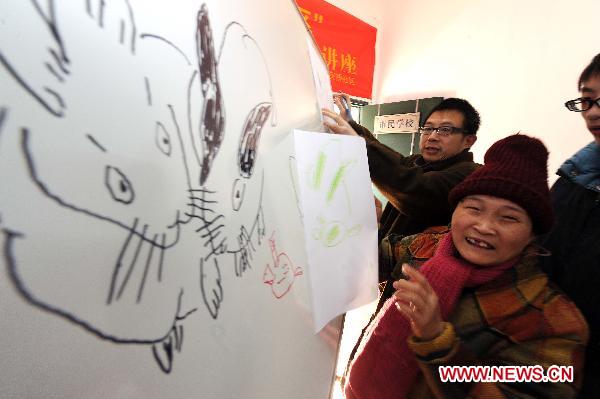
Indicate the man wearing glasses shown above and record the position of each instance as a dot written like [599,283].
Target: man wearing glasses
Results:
[417,186]
[574,240]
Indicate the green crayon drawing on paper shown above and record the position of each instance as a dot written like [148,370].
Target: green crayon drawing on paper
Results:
[329,178]
[339,175]
[332,233]
[319,167]
[316,177]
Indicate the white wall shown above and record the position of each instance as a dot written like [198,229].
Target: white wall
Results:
[516,61]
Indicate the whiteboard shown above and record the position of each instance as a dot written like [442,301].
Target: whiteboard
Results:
[144,215]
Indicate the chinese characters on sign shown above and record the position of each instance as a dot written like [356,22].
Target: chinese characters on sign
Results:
[342,67]
[343,62]
[347,45]
[309,17]
[399,123]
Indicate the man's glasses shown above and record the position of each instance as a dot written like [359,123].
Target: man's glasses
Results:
[581,104]
[444,131]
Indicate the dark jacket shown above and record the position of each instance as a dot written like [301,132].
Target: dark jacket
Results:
[574,243]
[417,190]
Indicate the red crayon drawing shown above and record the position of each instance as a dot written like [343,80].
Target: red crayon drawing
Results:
[282,274]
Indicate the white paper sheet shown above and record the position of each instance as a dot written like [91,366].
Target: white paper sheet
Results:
[323,89]
[339,222]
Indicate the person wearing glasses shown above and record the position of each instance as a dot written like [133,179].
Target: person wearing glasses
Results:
[416,186]
[574,241]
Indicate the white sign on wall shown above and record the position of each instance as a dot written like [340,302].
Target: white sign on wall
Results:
[399,123]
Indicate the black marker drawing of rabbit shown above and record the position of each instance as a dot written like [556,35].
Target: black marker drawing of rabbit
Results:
[114,137]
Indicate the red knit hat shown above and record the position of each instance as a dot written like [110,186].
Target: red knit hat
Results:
[515,169]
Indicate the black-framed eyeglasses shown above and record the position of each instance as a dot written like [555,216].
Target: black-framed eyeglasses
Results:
[444,131]
[581,104]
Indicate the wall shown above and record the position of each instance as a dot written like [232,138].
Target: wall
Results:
[517,62]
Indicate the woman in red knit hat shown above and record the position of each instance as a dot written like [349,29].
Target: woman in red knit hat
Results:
[478,297]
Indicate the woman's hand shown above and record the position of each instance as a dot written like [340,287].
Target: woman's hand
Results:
[417,301]
[339,125]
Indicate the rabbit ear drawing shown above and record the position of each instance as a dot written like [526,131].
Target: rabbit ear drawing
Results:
[41,71]
[212,121]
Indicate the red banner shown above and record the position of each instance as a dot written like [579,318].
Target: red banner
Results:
[346,43]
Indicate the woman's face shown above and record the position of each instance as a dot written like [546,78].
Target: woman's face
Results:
[488,230]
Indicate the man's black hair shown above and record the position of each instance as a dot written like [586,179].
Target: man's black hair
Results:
[593,69]
[470,114]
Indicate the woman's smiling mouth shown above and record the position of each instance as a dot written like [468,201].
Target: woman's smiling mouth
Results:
[479,243]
